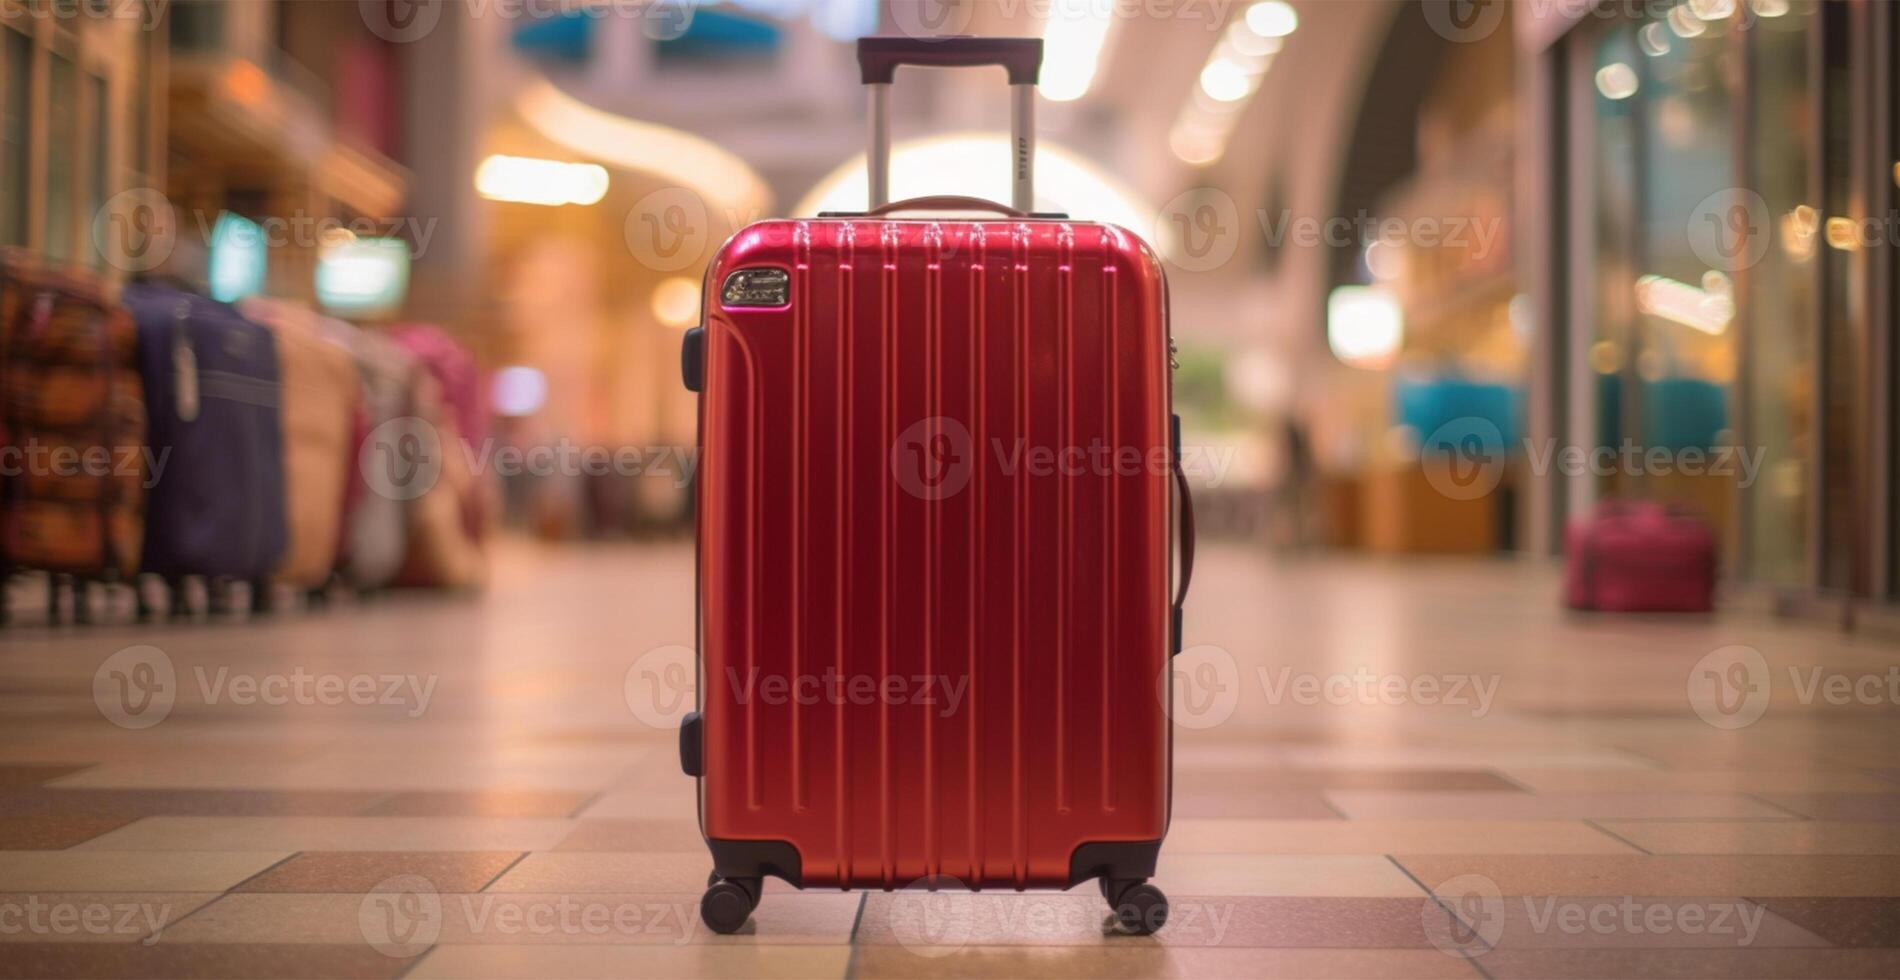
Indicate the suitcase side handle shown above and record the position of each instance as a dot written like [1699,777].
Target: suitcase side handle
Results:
[1021,57]
[1186,537]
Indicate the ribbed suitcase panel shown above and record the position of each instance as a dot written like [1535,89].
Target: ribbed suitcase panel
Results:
[1028,607]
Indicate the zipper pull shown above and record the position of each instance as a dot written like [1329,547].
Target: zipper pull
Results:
[1174,354]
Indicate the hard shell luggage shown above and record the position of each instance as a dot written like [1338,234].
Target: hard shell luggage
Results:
[214,396]
[1640,557]
[935,519]
[376,522]
[322,399]
[72,421]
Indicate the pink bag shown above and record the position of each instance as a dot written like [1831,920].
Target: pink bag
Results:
[464,401]
[1640,557]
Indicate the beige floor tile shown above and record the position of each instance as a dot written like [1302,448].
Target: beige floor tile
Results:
[409,921]
[81,870]
[1625,922]
[137,961]
[1331,876]
[602,962]
[1459,757]
[263,917]
[109,917]
[1379,804]
[585,872]
[677,834]
[1666,875]
[1137,958]
[1763,837]
[1670,964]
[1696,781]
[361,871]
[335,834]
[736,961]
[1397,836]
[643,804]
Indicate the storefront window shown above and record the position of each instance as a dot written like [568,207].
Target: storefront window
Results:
[1779,333]
[62,137]
[1669,247]
[100,170]
[16,129]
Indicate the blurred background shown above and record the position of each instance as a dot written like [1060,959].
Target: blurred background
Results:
[1574,226]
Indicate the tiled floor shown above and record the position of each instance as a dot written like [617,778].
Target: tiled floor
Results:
[1383,770]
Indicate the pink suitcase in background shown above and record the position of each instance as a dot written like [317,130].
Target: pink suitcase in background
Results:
[464,402]
[1640,557]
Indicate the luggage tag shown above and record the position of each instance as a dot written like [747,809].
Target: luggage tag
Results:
[184,367]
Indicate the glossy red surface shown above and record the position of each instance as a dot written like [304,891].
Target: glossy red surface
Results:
[924,651]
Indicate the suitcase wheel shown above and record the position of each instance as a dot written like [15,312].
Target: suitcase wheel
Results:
[728,903]
[1140,908]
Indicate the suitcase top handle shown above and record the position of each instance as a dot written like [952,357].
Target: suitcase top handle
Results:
[1021,57]
[944,202]
[879,57]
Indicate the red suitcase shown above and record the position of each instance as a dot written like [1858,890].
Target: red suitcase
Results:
[935,522]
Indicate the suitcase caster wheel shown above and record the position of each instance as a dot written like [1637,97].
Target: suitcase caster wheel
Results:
[1140,908]
[726,906]
[754,886]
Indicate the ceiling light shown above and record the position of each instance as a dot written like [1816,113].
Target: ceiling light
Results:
[1272,18]
[551,183]
[1072,44]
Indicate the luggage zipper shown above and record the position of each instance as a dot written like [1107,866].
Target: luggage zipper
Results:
[1174,354]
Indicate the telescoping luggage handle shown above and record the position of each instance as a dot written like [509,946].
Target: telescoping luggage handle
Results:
[1021,57]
